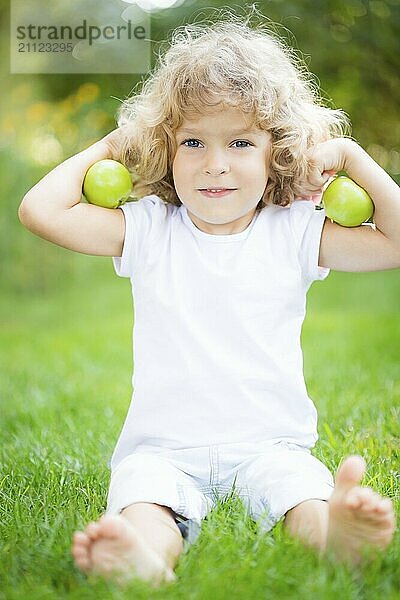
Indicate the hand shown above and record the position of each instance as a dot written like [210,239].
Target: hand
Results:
[114,142]
[324,161]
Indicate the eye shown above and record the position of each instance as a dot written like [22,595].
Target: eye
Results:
[190,140]
[242,142]
[197,142]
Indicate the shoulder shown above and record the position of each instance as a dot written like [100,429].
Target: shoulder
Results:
[297,210]
[306,220]
[298,228]
[296,217]
[151,202]
[302,211]
[150,208]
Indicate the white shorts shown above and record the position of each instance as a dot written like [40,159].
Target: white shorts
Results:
[269,478]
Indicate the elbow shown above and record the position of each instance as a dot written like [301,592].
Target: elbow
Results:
[22,212]
[25,214]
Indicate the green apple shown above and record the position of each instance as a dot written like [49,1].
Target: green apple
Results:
[347,203]
[107,183]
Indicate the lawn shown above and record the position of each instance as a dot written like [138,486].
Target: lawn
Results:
[65,370]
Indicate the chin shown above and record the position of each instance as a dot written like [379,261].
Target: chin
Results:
[216,220]
[217,217]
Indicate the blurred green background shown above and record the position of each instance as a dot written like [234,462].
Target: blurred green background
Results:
[351,46]
[65,318]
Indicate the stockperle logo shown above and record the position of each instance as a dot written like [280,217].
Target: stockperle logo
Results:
[82,37]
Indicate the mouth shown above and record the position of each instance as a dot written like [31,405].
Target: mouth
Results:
[216,192]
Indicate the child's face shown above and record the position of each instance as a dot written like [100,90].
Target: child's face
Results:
[221,153]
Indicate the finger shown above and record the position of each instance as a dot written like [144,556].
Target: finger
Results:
[331,178]
[307,190]
[316,180]
[316,198]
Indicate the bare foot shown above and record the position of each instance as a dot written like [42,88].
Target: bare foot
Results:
[112,548]
[359,518]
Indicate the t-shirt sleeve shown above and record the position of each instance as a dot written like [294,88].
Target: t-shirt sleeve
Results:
[306,223]
[141,218]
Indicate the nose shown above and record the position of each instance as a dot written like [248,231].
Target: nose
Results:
[216,164]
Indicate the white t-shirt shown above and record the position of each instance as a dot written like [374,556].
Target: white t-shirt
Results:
[217,325]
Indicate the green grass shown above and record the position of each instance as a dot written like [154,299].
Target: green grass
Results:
[65,370]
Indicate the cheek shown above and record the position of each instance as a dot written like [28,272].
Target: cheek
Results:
[176,170]
[179,174]
[178,163]
[182,167]
[257,169]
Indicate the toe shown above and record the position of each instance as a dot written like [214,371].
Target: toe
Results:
[369,503]
[80,539]
[350,472]
[112,526]
[92,530]
[369,499]
[360,497]
[80,545]
[385,505]
[357,496]
[83,562]
[353,499]
[81,556]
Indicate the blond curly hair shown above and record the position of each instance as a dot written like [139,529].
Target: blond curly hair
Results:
[250,68]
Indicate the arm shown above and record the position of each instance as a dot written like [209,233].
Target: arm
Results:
[52,208]
[362,248]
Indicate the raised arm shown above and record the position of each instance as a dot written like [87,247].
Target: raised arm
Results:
[363,248]
[52,208]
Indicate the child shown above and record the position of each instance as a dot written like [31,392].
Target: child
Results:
[229,144]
